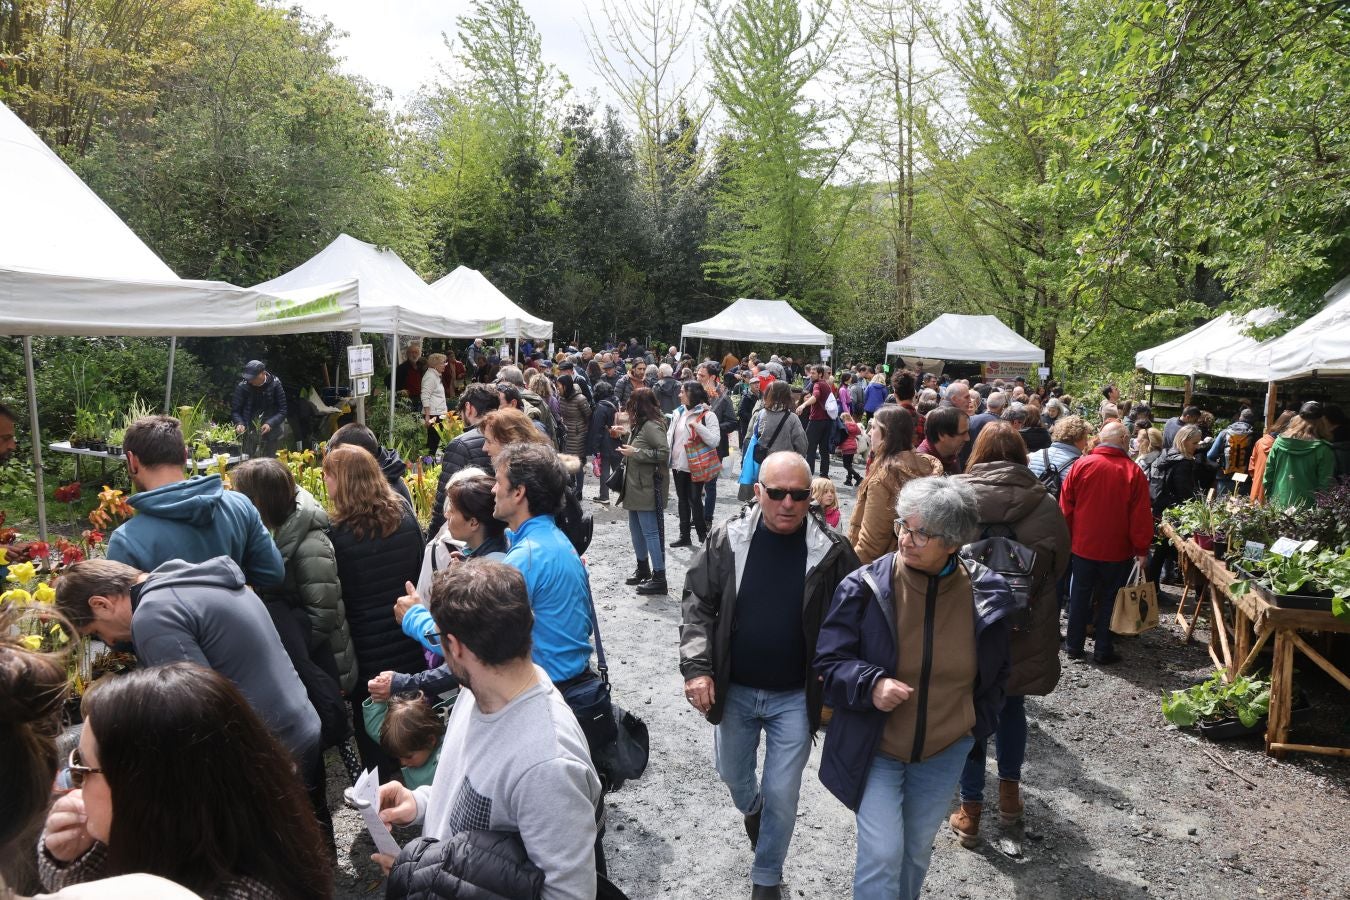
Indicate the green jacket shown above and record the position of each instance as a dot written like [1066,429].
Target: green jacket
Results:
[646,476]
[312,576]
[1296,469]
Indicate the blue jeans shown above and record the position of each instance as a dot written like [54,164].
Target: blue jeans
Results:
[902,808]
[709,500]
[1089,580]
[647,529]
[1010,749]
[781,715]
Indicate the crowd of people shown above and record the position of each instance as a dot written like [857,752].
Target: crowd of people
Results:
[269,628]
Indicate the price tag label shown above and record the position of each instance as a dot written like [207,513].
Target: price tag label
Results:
[1253,551]
[1286,547]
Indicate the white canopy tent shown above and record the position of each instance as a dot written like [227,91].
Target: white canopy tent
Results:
[772,322]
[468,294]
[976,338]
[393,299]
[1220,338]
[70,266]
[1319,346]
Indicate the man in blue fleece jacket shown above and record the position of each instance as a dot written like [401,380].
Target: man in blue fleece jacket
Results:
[192,519]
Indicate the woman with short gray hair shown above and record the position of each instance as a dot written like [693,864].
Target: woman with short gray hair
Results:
[901,732]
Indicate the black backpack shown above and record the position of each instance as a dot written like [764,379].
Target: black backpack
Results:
[1051,478]
[1016,562]
[1161,494]
[575,522]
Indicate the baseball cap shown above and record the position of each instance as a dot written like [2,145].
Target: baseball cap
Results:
[252,368]
[608,364]
[567,364]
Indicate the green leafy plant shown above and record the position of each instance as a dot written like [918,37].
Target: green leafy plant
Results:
[1246,699]
[1191,518]
[1302,573]
[137,409]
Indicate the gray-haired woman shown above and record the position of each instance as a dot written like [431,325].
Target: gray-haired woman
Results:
[900,734]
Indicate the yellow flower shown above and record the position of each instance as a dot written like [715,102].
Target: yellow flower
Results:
[4,557]
[22,572]
[31,642]
[44,593]
[17,595]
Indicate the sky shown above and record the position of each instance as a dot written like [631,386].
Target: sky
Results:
[397,43]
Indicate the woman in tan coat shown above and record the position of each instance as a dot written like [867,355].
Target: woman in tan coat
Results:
[892,465]
[1014,504]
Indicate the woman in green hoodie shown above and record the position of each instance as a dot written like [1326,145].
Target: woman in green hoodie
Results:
[1301,462]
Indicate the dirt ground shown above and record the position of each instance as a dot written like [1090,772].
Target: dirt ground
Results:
[1119,804]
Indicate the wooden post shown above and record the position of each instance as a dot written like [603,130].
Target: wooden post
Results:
[1272,403]
[1281,691]
[1190,388]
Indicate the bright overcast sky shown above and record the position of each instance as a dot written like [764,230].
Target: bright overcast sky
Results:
[397,43]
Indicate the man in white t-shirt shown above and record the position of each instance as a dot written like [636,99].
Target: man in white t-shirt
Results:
[514,757]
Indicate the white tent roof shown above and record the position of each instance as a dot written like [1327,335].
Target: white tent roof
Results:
[392,297]
[768,321]
[976,338]
[1219,338]
[1321,345]
[466,293]
[69,265]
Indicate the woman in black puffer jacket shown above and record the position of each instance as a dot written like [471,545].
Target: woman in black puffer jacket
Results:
[378,545]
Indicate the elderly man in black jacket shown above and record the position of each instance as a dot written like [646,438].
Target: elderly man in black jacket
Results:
[465,450]
[259,396]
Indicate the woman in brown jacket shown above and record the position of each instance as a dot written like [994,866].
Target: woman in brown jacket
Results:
[1010,495]
[893,464]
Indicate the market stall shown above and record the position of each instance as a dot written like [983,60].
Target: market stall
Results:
[769,323]
[70,266]
[468,295]
[983,339]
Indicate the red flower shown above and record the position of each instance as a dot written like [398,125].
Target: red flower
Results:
[71,555]
[67,494]
[39,548]
[92,537]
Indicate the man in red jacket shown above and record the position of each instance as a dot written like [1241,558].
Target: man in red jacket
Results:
[1105,502]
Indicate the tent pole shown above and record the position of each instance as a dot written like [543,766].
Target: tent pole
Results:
[393,384]
[360,401]
[36,432]
[168,383]
[1272,403]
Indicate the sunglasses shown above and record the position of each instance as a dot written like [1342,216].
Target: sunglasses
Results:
[798,494]
[79,773]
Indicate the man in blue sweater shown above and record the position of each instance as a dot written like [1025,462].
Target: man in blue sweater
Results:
[192,519]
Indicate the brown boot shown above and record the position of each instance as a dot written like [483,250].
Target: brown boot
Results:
[966,823]
[1010,804]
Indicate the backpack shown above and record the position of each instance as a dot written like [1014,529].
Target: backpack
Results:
[575,523]
[1050,478]
[1161,495]
[1016,562]
[832,406]
[1238,453]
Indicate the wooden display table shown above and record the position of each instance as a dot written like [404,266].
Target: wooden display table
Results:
[1254,621]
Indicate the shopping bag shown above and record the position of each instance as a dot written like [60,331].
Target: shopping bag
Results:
[749,464]
[1136,609]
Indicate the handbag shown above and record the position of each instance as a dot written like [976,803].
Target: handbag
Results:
[750,460]
[762,450]
[619,743]
[1136,609]
[617,471]
[704,463]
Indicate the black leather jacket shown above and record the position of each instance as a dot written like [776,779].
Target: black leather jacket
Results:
[472,865]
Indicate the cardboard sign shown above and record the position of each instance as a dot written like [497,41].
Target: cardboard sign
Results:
[825,354]
[1253,551]
[360,360]
[1006,369]
[1287,547]
[1042,372]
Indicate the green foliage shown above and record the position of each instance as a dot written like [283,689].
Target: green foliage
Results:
[1246,699]
[1302,573]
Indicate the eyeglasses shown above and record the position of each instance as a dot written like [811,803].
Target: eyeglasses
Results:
[798,494]
[433,637]
[917,536]
[79,773]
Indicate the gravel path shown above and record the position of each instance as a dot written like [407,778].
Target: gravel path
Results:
[1119,804]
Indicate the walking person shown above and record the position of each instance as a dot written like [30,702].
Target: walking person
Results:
[819,422]
[752,603]
[693,423]
[848,448]
[894,463]
[576,417]
[776,427]
[914,658]
[434,407]
[1013,503]
[600,441]
[719,399]
[646,490]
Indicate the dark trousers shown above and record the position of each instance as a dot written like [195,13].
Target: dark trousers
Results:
[850,476]
[818,433]
[1092,581]
[433,440]
[579,479]
[606,467]
[709,500]
[689,495]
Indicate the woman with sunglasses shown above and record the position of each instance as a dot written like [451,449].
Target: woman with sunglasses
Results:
[176,776]
[914,657]
[893,464]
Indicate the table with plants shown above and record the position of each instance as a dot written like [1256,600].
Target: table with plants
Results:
[1258,590]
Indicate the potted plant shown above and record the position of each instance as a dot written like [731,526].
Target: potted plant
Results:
[1317,580]
[1218,708]
[86,428]
[115,438]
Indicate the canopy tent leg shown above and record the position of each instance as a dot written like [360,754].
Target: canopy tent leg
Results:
[360,401]
[1272,402]
[1190,387]
[36,435]
[393,385]
[168,382]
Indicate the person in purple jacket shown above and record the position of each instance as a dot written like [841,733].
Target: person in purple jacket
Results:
[901,733]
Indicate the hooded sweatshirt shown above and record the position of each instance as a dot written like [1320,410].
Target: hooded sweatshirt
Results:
[203,613]
[1296,469]
[393,469]
[195,520]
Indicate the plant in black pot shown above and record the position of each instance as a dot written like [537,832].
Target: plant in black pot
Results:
[1317,580]
[1216,703]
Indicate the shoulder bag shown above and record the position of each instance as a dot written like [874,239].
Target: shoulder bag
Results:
[761,448]
[704,463]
